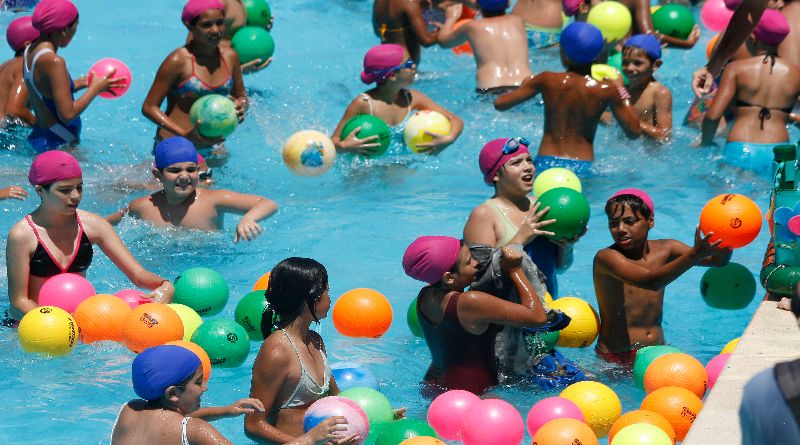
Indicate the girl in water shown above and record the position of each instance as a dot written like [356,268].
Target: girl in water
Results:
[57,238]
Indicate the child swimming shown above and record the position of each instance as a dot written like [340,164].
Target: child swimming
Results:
[13,93]
[641,57]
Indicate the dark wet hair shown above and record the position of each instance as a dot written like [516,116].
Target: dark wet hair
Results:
[293,284]
[616,205]
[628,49]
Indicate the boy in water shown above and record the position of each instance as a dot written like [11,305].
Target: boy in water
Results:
[402,22]
[181,203]
[13,92]
[631,274]
[641,56]
[573,103]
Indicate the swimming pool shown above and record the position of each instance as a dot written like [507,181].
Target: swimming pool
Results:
[356,220]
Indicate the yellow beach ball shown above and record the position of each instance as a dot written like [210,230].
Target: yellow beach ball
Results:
[424,121]
[48,330]
[582,329]
[599,404]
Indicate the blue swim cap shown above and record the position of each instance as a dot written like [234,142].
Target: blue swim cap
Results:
[156,369]
[582,42]
[493,5]
[174,150]
[648,43]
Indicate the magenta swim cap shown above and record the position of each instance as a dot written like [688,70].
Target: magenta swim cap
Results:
[51,16]
[379,61]
[732,4]
[52,166]
[492,158]
[571,7]
[194,8]
[21,31]
[641,194]
[772,28]
[429,257]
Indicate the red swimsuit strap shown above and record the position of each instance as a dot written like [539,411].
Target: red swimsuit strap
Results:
[75,247]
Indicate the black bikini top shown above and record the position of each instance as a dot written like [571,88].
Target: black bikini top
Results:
[43,264]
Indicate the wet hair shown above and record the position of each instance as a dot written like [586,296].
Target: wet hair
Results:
[616,206]
[294,283]
[628,49]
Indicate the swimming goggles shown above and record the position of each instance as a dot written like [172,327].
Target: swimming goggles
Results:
[405,65]
[511,146]
[205,175]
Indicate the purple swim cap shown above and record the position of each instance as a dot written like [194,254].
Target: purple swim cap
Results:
[52,166]
[493,5]
[492,158]
[582,42]
[194,8]
[51,16]
[641,194]
[379,61]
[429,257]
[648,42]
[174,150]
[156,369]
[21,31]
[571,7]
[772,28]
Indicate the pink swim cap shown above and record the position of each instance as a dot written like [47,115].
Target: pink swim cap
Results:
[492,158]
[641,194]
[194,8]
[732,4]
[51,16]
[52,166]
[379,61]
[772,28]
[429,257]
[571,7]
[21,31]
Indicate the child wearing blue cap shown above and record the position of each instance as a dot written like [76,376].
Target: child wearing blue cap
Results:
[641,57]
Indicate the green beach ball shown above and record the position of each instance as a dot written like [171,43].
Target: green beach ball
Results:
[216,114]
[413,320]
[674,20]
[370,126]
[251,43]
[202,289]
[731,286]
[376,405]
[615,60]
[569,208]
[191,319]
[404,429]
[647,355]
[225,342]
[248,314]
[258,12]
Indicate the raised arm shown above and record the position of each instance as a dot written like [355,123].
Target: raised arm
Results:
[530,87]
[723,98]
[448,36]
[413,12]
[253,207]
[58,78]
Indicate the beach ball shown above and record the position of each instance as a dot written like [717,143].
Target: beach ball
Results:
[598,403]
[309,153]
[375,404]
[248,314]
[370,126]
[401,430]
[48,330]
[734,218]
[352,375]
[555,178]
[65,290]
[552,408]
[731,286]
[492,421]
[191,319]
[412,318]
[216,114]
[548,299]
[678,405]
[422,440]
[262,283]
[714,368]
[565,431]
[645,356]
[421,123]
[582,329]
[202,289]
[151,324]
[201,354]
[613,19]
[362,313]
[133,297]
[711,45]
[100,317]
[569,208]
[642,434]
[225,342]
[615,61]
[464,48]
[357,422]
[730,346]
[601,72]
[446,411]
[715,15]
[251,43]
[641,416]
[676,369]
[674,20]
[258,12]
[104,67]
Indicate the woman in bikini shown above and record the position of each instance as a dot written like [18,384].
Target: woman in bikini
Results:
[764,88]
[391,101]
[199,68]
[57,238]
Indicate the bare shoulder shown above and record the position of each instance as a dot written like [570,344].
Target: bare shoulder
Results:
[317,339]
[659,89]
[139,204]
[229,54]
[176,59]
[275,352]
[21,233]
[481,215]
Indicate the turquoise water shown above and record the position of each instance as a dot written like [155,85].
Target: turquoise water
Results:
[357,219]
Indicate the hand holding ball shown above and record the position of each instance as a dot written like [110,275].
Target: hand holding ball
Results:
[216,115]
[105,67]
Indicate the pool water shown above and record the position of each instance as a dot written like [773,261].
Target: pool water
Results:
[357,219]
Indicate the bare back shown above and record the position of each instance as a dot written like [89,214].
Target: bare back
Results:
[500,45]
[140,423]
[539,13]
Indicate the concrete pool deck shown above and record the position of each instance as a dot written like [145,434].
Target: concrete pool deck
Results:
[770,337]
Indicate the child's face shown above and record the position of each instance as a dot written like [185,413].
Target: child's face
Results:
[628,228]
[189,395]
[323,305]
[180,179]
[467,267]
[518,172]
[637,66]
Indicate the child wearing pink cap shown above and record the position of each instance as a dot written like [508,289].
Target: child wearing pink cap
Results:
[388,66]
[764,89]
[630,275]
[13,93]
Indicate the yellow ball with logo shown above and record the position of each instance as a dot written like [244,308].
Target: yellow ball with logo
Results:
[48,330]
[422,123]
[582,329]
[599,404]
[309,153]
